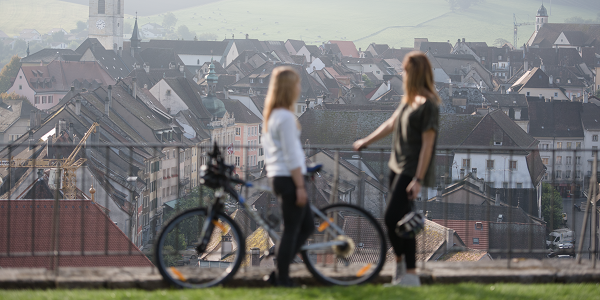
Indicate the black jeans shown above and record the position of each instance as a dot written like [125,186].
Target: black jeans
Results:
[298,225]
[398,206]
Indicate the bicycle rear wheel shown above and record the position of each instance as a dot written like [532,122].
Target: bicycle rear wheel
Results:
[363,255]
[182,265]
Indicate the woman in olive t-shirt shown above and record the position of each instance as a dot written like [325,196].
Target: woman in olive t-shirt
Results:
[414,126]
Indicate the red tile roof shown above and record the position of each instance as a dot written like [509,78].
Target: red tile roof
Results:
[347,48]
[26,231]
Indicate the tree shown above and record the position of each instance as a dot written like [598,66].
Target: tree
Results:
[552,206]
[499,42]
[207,37]
[9,72]
[169,21]
[12,96]
[59,37]
[368,82]
[184,33]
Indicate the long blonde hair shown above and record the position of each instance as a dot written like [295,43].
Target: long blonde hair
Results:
[282,92]
[418,78]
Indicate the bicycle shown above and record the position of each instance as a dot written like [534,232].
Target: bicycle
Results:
[347,247]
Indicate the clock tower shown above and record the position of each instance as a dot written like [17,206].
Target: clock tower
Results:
[106,22]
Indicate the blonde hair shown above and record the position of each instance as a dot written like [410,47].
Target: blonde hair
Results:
[282,92]
[418,78]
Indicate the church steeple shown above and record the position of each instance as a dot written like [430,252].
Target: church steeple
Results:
[211,79]
[135,36]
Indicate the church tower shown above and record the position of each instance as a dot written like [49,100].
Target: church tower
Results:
[541,18]
[106,22]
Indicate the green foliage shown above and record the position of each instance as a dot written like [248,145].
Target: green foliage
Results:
[184,33]
[81,26]
[580,20]
[59,37]
[207,37]
[368,82]
[170,256]
[552,206]
[12,96]
[461,291]
[169,20]
[499,42]
[9,72]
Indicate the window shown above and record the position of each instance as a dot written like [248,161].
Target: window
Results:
[594,150]
[50,99]
[578,145]
[101,7]
[559,160]
[568,174]
[568,160]
[476,241]
[595,137]
[545,161]
[505,185]
[490,164]
[558,145]
[578,160]
[558,173]
[527,93]
[546,176]
[44,99]
[238,131]
[519,185]
[466,163]
[37,100]
[578,174]
[251,80]
[555,94]
[557,80]
[237,161]
[478,225]
[569,145]
[512,164]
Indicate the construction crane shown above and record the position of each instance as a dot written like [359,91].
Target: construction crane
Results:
[516,29]
[68,165]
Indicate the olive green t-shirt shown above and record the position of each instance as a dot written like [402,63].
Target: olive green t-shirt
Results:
[407,139]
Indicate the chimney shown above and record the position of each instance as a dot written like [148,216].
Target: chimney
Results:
[255,252]
[226,246]
[146,86]
[247,36]
[71,129]
[109,95]
[30,140]
[526,66]
[106,107]
[78,106]
[449,239]
[72,88]
[550,79]
[32,119]
[134,91]
[463,40]
[497,203]
[450,91]
[439,196]
[62,126]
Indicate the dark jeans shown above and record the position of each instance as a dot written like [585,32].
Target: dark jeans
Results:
[298,225]
[398,206]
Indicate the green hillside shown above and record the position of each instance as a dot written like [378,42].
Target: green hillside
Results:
[395,22]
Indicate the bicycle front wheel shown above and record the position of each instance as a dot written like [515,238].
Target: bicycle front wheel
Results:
[177,256]
[360,257]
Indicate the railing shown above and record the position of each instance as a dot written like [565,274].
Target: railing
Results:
[488,202]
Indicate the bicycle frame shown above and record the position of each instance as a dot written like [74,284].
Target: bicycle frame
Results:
[331,228]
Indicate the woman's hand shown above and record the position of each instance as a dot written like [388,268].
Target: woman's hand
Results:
[359,145]
[301,197]
[413,189]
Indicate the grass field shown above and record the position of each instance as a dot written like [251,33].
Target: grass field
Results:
[395,22]
[430,292]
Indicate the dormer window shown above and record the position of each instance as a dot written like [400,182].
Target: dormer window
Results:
[557,80]
[251,80]
[568,80]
